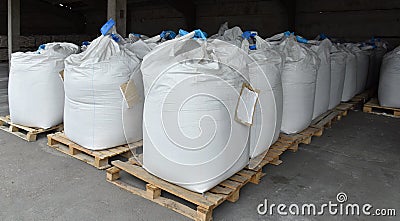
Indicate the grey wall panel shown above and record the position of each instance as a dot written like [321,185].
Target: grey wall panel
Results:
[345,5]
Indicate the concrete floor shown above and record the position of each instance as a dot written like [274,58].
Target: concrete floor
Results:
[360,156]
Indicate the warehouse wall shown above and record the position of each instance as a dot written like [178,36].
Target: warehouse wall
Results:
[354,20]
[151,19]
[268,17]
[351,20]
[3,17]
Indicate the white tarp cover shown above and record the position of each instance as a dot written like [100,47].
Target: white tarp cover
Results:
[338,72]
[190,135]
[96,115]
[350,79]
[35,88]
[389,83]
[323,84]
[298,81]
[268,115]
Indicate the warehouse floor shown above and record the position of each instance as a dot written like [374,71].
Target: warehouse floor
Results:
[359,155]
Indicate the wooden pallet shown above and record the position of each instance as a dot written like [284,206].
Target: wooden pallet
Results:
[96,158]
[373,107]
[359,100]
[228,190]
[325,120]
[24,132]
[344,108]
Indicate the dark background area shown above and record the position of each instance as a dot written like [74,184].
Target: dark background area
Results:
[350,20]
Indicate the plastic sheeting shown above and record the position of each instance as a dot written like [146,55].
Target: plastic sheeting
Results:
[298,81]
[389,83]
[268,115]
[36,91]
[323,83]
[338,73]
[192,89]
[96,115]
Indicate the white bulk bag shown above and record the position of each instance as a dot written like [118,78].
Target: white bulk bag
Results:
[268,113]
[371,78]
[190,136]
[158,39]
[298,80]
[362,67]
[375,63]
[350,79]
[389,83]
[380,51]
[323,84]
[231,35]
[338,72]
[35,87]
[96,116]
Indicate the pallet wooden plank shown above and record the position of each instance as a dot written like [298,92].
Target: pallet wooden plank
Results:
[221,190]
[246,173]
[254,162]
[373,107]
[215,198]
[24,132]
[239,179]
[83,157]
[115,151]
[142,174]
[325,121]
[121,149]
[320,117]
[231,184]
[98,159]
[344,106]
[165,202]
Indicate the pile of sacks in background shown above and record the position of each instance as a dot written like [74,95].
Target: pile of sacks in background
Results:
[181,93]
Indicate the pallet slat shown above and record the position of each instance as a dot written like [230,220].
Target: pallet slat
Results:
[165,202]
[27,133]
[98,159]
[373,107]
[139,172]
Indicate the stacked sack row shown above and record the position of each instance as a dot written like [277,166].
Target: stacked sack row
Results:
[181,94]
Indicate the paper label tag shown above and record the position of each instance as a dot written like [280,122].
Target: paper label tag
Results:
[246,105]
[61,73]
[130,94]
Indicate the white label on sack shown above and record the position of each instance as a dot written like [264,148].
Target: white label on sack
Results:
[246,105]
[129,92]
